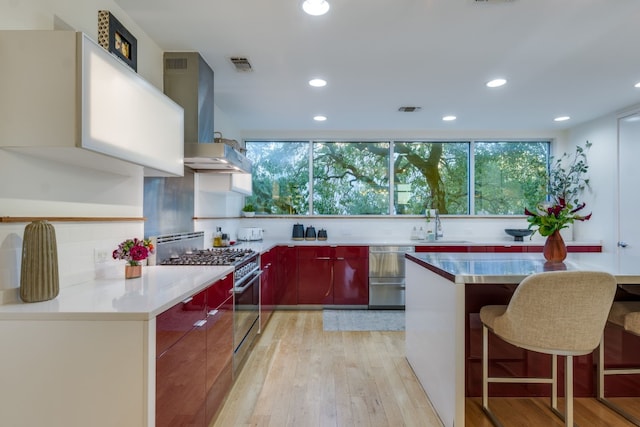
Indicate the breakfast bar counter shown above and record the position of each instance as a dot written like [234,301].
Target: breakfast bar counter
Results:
[444,294]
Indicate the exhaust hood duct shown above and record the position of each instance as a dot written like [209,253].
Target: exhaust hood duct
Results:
[188,80]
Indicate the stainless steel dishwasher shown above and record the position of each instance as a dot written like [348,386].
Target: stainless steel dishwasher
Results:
[386,276]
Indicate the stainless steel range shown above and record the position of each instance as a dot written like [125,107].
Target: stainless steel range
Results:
[188,249]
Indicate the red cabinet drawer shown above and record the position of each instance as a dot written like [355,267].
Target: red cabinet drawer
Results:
[351,252]
[312,252]
[506,248]
[584,249]
[219,292]
[174,323]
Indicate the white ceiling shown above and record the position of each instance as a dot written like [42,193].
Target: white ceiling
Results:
[561,57]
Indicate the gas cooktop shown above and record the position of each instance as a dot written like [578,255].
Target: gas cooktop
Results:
[213,256]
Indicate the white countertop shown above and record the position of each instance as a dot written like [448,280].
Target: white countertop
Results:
[511,268]
[159,288]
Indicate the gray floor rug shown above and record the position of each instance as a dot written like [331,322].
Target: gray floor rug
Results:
[363,320]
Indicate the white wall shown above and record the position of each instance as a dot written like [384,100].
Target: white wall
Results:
[601,198]
[380,229]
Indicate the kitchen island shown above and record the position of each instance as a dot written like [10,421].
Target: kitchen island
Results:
[88,357]
[443,343]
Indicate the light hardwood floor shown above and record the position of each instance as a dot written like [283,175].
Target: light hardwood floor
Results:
[298,375]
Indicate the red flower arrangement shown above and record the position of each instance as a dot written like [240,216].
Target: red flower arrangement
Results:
[133,250]
[553,217]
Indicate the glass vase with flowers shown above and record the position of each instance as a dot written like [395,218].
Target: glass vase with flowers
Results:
[133,251]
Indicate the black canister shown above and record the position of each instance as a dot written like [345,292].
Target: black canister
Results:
[310,234]
[322,234]
[298,232]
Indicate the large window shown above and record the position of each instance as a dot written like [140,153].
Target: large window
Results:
[350,178]
[432,175]
[509,176]
[354,177]
[280,177]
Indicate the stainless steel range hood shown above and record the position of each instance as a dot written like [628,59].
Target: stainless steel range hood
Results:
[188,80]
[216,156]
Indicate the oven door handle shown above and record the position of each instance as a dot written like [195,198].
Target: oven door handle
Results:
[248,284]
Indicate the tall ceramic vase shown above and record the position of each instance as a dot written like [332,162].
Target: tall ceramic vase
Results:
[39,279]
[554,248]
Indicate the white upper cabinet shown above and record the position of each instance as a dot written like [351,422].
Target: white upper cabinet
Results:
[224,183]
[61,90]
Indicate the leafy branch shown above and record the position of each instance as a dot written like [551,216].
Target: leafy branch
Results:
[567,178]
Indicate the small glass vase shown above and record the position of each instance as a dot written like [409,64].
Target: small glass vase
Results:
[132,271]
[554,248]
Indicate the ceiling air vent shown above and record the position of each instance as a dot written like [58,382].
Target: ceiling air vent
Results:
[175,63]
[409,109]
[241,63]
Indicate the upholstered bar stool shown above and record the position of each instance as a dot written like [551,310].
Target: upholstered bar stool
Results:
[557,313]
[625,314]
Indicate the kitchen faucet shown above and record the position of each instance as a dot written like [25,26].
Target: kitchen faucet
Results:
[439,233]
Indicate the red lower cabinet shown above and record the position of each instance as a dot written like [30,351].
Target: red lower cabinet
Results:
[351,275]
[180,382]
[219,327]
[219,376]
[315,275]
[194,357]
[286,289]
[331,275]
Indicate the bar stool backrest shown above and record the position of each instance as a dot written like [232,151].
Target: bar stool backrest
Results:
[560,312]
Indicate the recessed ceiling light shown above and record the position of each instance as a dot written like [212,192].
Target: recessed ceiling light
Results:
[561,119]
[496,83]
[315,7]
[449,118]
[319,118]
[637,85]
[317,82]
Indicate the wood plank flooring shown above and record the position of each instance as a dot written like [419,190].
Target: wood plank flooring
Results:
[298,375]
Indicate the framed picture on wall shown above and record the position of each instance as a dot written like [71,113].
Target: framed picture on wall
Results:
[115,38]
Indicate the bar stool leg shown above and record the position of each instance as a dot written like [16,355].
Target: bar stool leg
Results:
[602,372]
[568,391]
[485,367]
[554,382]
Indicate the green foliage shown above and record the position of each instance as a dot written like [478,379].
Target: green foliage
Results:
[436,174]
[567,175]
[248,208]
[280,177]
[550,218]
[509,176]
[351,178]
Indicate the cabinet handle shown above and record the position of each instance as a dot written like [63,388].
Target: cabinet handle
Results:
[330,283]
[223,278]
[200,323]
[340,259]
[212,313]
[324,257]
[188,300]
